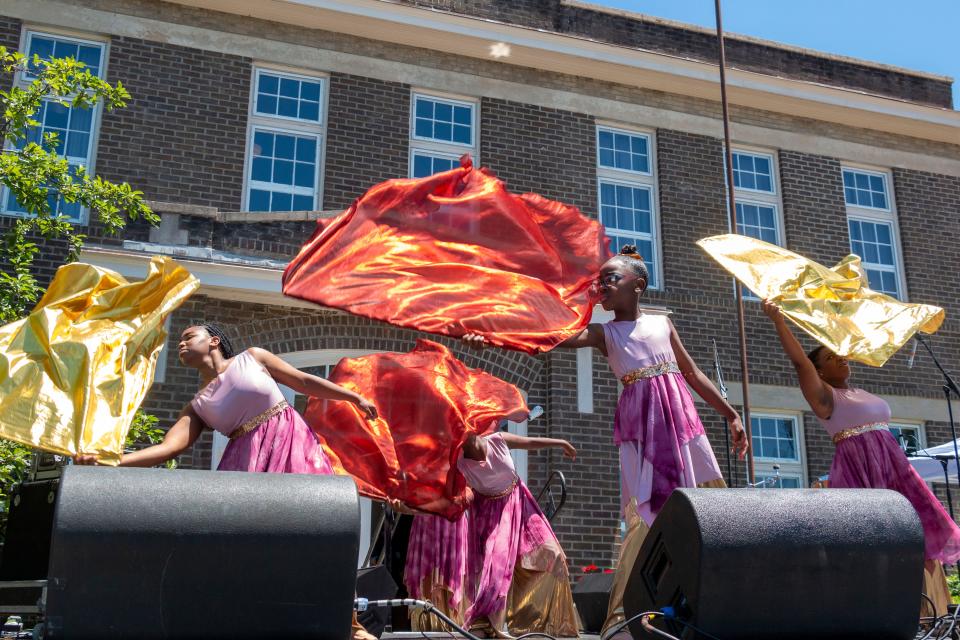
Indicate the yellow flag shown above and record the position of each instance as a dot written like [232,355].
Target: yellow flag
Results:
[74,371]
[833,305]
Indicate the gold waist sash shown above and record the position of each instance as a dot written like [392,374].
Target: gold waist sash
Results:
[650,372]
[840,436]
[503,493]
[257,420]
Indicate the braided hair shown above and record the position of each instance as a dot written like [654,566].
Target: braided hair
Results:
[632,258]
[215,331]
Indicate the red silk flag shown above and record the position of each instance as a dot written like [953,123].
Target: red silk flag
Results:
[456,253]
[428,403]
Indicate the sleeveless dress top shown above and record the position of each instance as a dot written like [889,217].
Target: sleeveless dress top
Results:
[241,397]
[855,408]
[493,476]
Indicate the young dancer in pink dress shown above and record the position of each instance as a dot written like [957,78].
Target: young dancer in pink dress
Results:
[867,454]
[239,397]
[516,571]
[657,429]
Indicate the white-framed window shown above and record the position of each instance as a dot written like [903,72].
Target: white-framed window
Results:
[76,128]
[285,147]
[910,435]
[758,198]
[872,224]
[442,128]
[777,439]
[627,193]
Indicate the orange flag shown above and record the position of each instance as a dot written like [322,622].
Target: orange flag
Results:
[457,253]
[428,402]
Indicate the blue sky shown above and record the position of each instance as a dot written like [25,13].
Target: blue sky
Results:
[920,34]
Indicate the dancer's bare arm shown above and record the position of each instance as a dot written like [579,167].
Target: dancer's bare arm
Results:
[310,385]
[592,336]
[178,439]
[705,389]
[818,394]
[515,441]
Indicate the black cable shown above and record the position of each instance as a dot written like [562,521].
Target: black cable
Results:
[695,628]
[623,625]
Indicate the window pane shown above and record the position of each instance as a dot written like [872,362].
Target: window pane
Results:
[281,202]
[443,121]
[619,150]
[294,98]
[864,189]
[753,172]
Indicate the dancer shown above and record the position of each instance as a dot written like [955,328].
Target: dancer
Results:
[867,455]
[436,565]
[241,399]
[516,571]
[657,429]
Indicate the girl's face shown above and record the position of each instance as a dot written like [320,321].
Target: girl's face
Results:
[196,344]
[832,368]
[620,286]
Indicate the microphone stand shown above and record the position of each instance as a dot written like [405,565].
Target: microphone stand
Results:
[726,425]
[949,386]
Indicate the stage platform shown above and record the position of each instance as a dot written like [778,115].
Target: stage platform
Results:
[413,635]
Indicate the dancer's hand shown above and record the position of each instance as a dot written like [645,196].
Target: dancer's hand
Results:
[85,459]
[474,341]
[739,435]
[400,507]
[367,408]
[773,311]
[569,451]
[468,496]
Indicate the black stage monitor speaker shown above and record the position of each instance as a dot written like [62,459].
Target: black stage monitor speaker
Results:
[154,553]
[26,545]
[789,564]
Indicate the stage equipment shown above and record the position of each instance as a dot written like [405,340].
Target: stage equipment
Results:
[26,548]
[726,423]
[375,583]
[788,564]
[153,553]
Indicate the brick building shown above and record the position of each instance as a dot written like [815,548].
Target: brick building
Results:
[250,120]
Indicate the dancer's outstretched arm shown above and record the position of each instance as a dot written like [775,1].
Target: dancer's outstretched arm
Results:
[592,336]
[819,394]
[705,389]
[178,439]
[515,441]
[310,385]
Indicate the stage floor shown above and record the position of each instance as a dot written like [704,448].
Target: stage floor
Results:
[413,635]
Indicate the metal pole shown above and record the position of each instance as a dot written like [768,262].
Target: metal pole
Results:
[732,206]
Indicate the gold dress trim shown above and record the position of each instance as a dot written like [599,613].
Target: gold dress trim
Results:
[650,372]
[840,436]
[503,493]
[258,419]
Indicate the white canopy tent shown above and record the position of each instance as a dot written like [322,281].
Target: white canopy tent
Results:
[929,462]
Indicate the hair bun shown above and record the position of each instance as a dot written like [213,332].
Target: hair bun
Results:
[630,250]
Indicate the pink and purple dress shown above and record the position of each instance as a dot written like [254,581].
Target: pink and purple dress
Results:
[513,553]
[661,439]
[436,565]
[869,457]
[245,404]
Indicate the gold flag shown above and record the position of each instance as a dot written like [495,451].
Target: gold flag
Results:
[74,371]
[834,305]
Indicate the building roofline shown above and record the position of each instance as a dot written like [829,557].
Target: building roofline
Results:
[642,17]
